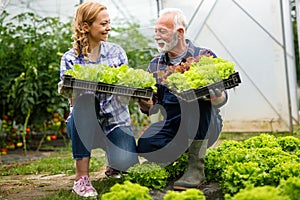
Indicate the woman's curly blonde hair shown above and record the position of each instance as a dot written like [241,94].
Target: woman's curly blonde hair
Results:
[86,12]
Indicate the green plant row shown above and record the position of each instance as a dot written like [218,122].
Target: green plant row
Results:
[134,191]
[262,167]
[258,161]
[287,190]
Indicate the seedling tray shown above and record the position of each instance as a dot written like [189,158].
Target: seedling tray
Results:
[99,87]
[193,94]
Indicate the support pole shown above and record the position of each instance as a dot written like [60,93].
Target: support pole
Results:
[158,7]
[286,67]
[297,3]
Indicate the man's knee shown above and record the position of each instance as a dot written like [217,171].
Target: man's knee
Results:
[144,145]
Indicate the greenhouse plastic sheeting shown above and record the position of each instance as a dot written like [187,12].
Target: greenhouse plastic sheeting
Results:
[255,34]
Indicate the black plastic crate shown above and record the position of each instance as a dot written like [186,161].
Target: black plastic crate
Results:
[98,87]
[193,94]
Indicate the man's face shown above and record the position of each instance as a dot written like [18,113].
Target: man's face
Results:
[163,46]
[165,36]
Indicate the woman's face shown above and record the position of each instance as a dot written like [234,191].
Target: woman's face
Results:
[98,31]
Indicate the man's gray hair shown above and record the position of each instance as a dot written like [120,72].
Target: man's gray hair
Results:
[179,19]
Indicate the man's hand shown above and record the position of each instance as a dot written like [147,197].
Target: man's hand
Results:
[214,93]
[145,105]
[217,97]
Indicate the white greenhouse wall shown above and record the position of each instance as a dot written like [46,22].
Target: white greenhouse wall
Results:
[140,11]
[250,33]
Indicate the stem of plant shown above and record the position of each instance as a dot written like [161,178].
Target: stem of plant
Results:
[24,130]
[43,138]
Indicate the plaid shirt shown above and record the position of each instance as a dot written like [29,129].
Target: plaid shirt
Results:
[208,114]
[160,62]
[113,112]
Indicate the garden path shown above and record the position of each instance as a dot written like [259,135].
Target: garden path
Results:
[24,187]
[36,186]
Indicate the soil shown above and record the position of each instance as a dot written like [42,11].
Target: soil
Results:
[34,186]
[24,187]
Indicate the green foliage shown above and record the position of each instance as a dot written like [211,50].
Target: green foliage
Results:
[216,160]
[290,187]
[123,75]
[148,174]
[264,140]
[178,167]
[289,143]
[139,48]
[30,52]
[260,160]
[201,73]
[239,175]
[287,190]
[57,163]
[29,59]
[189,194]
[284,170]
[127,191]
[259,193]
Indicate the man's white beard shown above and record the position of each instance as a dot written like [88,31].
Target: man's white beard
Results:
[167,46]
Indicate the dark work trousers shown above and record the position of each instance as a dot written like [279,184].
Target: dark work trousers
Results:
[166,140]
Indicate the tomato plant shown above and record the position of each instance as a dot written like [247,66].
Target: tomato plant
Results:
[30,52]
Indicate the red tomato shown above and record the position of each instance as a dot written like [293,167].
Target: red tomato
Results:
[53,137]
[27,130]
[5,117]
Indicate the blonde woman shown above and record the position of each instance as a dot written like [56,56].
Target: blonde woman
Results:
[99,116]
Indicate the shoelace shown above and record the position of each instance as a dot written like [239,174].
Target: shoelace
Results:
[85,184]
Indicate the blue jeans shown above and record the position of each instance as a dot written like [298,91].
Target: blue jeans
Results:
[86,134]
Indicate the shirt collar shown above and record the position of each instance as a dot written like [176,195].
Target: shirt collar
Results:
[190,52]
[102,49]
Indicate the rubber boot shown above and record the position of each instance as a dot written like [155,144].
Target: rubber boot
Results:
[194,175]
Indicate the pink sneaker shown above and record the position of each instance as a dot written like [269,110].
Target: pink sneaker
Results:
[83,187]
